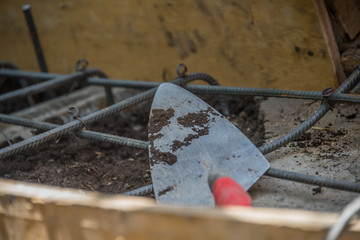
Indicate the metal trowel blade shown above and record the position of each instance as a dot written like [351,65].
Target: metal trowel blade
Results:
[188,139]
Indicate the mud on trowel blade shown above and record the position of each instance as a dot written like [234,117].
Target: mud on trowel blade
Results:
[188,139]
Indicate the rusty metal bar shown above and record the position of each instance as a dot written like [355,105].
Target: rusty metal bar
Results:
[34,37]
[244,91]
[92,135]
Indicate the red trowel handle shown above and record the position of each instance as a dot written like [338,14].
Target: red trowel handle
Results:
[228,192]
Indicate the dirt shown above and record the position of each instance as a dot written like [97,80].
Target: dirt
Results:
[324,137]
[199,119]
[198,122]
[162,157]
[160,118]
[168,189]
[105,167]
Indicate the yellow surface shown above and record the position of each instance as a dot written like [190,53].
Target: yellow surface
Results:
[240,43]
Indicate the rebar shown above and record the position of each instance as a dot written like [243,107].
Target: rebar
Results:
[291,176]
[142,191]
[34,36]
[51,84]
[355,89]
[244,91]
[91,135]
[314,118]
[22,81]
[282,174]
[73,126]
[35,76]
[122,83]
[266,92]
[313,180]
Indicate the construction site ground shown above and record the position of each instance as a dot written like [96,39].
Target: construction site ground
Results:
[329,149]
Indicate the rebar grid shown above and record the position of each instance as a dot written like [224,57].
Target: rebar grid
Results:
[55,131]
[75,125]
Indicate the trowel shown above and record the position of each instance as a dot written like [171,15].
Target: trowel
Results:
[189,141]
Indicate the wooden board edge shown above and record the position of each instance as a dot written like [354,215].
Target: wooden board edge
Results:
[22,201]
[330,39]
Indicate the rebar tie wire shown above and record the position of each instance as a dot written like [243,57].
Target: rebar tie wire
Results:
[74,111]
[81,65]
[213,89]
[181,70]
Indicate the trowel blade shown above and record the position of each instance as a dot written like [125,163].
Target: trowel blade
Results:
[188,139]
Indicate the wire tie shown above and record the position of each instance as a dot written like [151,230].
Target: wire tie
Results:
[326,93]
[81,65]
[75,114]
[181,70]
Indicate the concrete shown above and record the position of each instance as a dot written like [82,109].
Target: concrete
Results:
[329,149]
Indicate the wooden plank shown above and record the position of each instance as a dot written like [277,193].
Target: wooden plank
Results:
[348,13]
[31,211]
[273,44]
[330,39]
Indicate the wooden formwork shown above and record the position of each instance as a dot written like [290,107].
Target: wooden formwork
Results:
[272,44]
[30,211]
